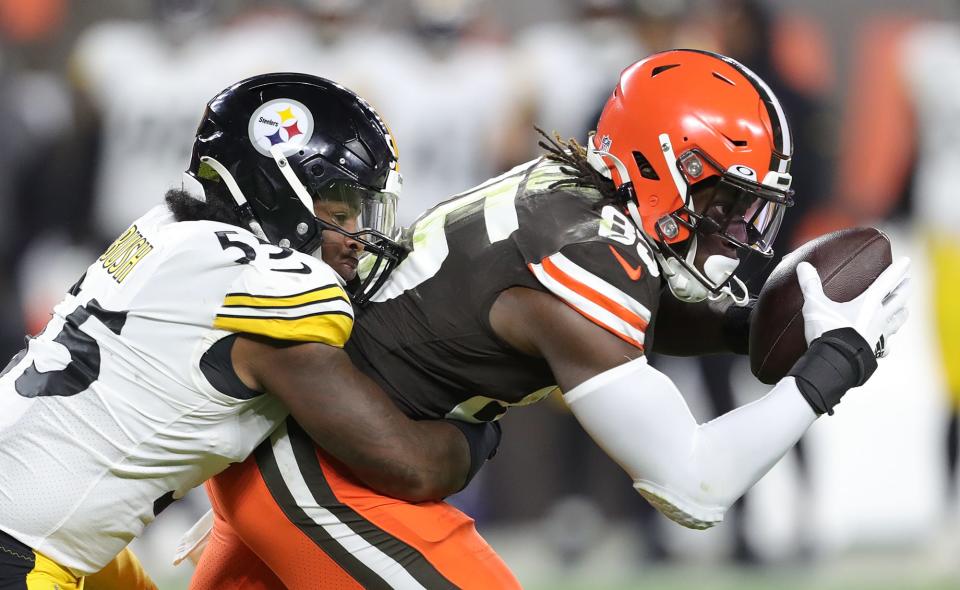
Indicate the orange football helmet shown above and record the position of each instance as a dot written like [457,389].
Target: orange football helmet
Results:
[682,117]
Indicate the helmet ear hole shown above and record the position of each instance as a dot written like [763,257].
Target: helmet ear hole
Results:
[315,176]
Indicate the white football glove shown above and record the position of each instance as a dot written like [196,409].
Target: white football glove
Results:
[876,314]
[191,545]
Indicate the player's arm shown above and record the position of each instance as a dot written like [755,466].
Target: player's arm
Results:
[350,417]
[290,331]
[692,472]
[692,329]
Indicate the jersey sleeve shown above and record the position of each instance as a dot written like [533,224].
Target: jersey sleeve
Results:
[304,303]
[608,276]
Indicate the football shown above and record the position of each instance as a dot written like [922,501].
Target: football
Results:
[848,261]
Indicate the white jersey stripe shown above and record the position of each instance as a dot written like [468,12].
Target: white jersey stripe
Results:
[500,215]
[599,285]
[379,562]
[336,305]
[588,308]
[429,239]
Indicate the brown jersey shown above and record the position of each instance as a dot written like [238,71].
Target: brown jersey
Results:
[427,339]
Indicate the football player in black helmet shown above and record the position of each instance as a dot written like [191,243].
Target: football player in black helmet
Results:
[215,335]
[280,143]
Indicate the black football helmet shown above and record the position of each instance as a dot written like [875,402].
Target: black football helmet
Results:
[278,141]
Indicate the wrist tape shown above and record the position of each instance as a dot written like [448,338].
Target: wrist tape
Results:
[835,362]
[483,439]
[736,327]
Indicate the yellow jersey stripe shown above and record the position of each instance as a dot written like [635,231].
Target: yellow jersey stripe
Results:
[273,304]
[329,293]
[331,328]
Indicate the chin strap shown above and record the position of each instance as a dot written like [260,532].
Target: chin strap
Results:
[291,178]
[727,291]
[684,285]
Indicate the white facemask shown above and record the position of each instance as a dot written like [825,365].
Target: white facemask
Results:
[688,288]
[683,284]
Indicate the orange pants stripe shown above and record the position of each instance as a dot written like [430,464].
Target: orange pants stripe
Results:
[314,526]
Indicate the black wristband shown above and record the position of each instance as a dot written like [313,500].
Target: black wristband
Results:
[483,440]
[835,362]
[736,327]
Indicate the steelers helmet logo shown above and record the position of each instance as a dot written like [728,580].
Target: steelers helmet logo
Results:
[282,121]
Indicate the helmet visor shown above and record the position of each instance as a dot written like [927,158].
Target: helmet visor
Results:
[745,213]
[359,208]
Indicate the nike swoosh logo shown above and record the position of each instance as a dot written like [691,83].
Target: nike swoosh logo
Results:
[633,273]
[303,270]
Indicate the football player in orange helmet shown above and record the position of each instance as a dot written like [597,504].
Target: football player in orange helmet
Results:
[722,137]
[550,276]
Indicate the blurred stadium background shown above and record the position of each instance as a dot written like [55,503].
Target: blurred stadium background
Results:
[98,102]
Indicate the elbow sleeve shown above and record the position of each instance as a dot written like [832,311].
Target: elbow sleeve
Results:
[691,472]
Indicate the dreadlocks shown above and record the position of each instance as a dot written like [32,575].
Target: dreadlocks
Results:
[573,160]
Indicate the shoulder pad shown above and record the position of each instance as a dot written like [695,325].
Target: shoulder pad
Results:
[553,219]
[287,295]
[591,256]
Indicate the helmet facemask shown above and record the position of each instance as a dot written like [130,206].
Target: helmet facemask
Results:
[729,205]
[744,213]
[685,123]
[726,204]
[368,218]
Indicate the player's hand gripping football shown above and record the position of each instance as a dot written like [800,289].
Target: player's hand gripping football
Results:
[876,314]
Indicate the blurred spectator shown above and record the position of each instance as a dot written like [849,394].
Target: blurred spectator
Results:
[36,118]
[564,70]
[900,143]
[444,92]
[140,82]
[14,154]
[565,67]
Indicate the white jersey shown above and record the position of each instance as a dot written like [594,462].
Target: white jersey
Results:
[570,69]
[150,93]
[109,415]
[449,111]
[930,64]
